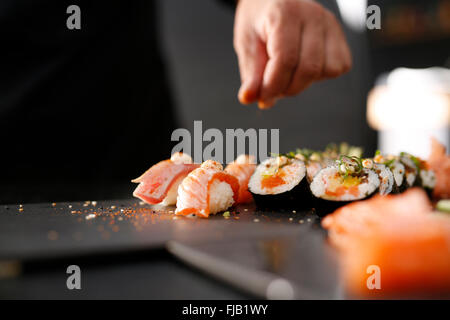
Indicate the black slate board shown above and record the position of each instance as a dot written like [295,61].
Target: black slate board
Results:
[40,231]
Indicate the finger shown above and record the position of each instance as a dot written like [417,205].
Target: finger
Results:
[252,59]
[283,46]
[337,53]
[311,60]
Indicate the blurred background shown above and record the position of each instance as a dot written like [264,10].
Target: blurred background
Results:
[203,80]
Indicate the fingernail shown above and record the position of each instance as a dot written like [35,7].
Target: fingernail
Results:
[266,104]
[246,96]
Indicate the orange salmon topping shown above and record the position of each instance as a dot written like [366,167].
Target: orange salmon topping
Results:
[272,181]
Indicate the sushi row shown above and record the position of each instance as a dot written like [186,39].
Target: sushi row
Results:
[301,179]
[318,180]
[196,189]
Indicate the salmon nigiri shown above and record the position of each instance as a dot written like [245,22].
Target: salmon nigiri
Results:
[207,190]
[159,184]
[242,168]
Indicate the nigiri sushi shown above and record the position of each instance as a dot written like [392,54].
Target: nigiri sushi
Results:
[159,184]
[242,168]
[207,190]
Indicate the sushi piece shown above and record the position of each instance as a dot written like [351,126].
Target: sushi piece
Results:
[362,217]
[313,160]
[399,234]
[159,184]
[425,177]
[384,174]
[346,181]
[411,169]
[207,190]
[242,168]
[413,257]
[280,182]
[439,162]
[397,169]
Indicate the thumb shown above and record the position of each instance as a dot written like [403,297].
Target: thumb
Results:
[252,59]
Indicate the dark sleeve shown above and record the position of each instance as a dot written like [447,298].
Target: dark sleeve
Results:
[230,3]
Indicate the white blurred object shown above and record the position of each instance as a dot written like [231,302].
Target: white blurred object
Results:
[353,13]
[412,106]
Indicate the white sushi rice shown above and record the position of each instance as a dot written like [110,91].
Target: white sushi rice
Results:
[293,173]
[312,168]
[220,197]
[386,178]
[398,170]
[171,197]
[319,185]
[410,176]
[428,178]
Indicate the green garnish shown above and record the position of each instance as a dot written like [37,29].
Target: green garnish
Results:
[289,155]
[226,214]
[352,165]
[389,163]
[444,206]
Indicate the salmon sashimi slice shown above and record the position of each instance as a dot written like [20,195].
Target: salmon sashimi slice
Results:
[439,162]
[195,192]
[162,178]
[363,217]
[242,168]
[413,257]
[401,236]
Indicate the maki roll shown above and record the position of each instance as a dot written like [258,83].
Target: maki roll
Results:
[411,170]
[280,182]
[384,174]
[398,171]
[346,181]
[425,177]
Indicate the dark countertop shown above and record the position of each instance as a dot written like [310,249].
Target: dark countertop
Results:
[119,246]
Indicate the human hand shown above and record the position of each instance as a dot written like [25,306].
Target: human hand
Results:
[283,46]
